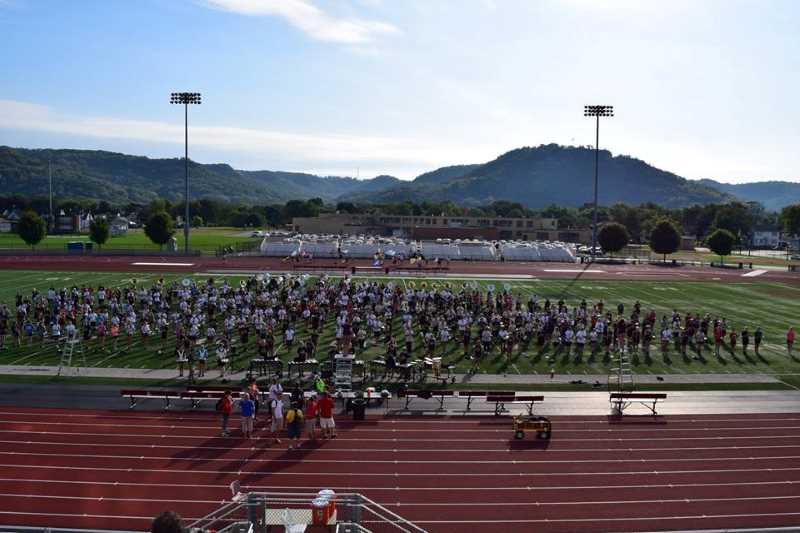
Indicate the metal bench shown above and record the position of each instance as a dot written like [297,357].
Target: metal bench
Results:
[137,394]
[427,394]
[500,401]
[621,400]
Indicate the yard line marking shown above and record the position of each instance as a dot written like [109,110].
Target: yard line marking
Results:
[142,263]
[754,273]
[399,461]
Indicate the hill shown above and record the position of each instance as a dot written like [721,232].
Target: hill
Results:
[122,178]
[444,174]
[553,174]
[773,195]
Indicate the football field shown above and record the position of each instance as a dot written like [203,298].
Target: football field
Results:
[772,306]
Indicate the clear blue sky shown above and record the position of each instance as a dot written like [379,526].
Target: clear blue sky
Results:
[706,89]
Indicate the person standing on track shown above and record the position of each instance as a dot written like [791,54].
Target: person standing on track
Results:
[326,417]
[224,407]
[247,409]
[790,336]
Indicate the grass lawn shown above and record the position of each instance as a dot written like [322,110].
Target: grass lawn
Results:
[734,258]
[207,240]
[772,306]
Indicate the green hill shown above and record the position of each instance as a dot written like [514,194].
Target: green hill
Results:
[121,178]
[553,174]
[773,195]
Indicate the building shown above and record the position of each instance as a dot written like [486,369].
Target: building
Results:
[119,226]
[5,225]
[430,227]
[766,236]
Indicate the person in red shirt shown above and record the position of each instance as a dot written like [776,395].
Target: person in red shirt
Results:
[312,410]
[790,335]
[224,407]
[326,417]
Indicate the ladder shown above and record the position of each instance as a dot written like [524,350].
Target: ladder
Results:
[343,372]
[72,347]
[620,377]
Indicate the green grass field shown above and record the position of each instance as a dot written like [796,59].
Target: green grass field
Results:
[206,240]
[772,306]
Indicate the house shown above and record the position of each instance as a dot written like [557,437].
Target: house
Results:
[766,236]
[13,215]
[119,226]
[5,225]
[84,222]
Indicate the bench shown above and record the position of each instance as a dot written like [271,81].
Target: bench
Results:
[137,394]
[621,400]
[427,394]
[302,366]
[470,394]
[501,399]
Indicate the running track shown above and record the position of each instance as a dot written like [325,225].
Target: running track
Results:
[200,264]
[116,470]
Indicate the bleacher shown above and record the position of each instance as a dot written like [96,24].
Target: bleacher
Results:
[538,251]
[283,248]
[476,251]
[434,250]
[323,249]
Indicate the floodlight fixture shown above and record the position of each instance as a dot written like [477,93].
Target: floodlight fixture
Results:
[596,111]
[185,98]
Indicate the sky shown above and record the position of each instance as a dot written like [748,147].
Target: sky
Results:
[701,88]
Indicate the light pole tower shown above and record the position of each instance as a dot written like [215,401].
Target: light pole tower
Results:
[185,99]
[596,111]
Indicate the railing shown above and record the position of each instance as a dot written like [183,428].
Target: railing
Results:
[24,529]
[239,247]
[258,511]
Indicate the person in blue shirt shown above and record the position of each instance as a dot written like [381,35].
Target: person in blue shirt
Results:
[247,408]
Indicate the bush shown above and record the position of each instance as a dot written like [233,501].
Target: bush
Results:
[613,237]
[665,238]
[159,228]
[99,231]
[31,228]
[721,243]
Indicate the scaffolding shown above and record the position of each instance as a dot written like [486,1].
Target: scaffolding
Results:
[257,512]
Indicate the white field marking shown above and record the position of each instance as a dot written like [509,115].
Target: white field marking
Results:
[594,288]
[716,279]
[143,263]
[420,504]
[109,499]
[86,515]
[754,273]
[387,450]
[317,473]
[438,421]
[346,488]
[415,430]
[397,461]
[395,439]
[620,519]
[575,271]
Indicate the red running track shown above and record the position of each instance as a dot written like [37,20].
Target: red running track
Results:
[116,470]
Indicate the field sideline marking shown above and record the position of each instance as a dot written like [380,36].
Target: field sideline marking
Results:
[141,263]
[754,273]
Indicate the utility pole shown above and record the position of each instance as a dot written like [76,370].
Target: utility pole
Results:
[596,111]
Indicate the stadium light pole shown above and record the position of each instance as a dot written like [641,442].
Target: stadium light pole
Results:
[596,111]
[185,99]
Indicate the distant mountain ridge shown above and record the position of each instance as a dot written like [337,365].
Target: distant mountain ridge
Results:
[122,178]
[773,195]
[534,176]
[553,174]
